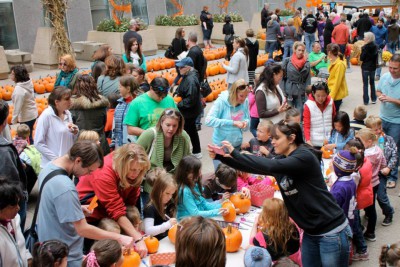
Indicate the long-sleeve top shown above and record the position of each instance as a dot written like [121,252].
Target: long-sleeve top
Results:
[253,106]
[178,46]
[381,35]
[341,34]
[344,191]
[23,98]
[339,139]
[378,162]
[53,139]
[190,205]
[237,68]
[302,185]
[337,80]
[269,102]
[273,31]
[390,151]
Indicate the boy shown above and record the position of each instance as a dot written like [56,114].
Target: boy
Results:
[20,141]
[222,184]
[388,175]
[261,145]
[359,115]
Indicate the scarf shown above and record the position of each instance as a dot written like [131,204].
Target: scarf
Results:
[298,62]
[67,76]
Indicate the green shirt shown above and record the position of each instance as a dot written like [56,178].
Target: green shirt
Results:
[144,111]
[316,56]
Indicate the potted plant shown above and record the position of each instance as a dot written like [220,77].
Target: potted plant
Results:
[286,14]
[239,25]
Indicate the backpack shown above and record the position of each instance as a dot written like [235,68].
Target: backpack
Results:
[35,157]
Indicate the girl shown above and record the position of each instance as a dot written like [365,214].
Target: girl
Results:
[293,115]
[341,133]
[159,213]
[337,75]
[378,161]
[179,43]
[139,75]
[133,54]
[390,255]
[237,68]
[278,234]
[90,136]
[318,115]
[229,32]
[104,253]
[190,190]
[50,253]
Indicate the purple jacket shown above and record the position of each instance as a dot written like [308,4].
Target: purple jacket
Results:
[344,191]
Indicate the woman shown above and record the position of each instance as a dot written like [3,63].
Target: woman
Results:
[297,76]
[321,27]
[290,34]
[207,25]
[337,75]
[139,75]
[273,31]
[55,131]
[179,43]
[166,144]
[326,239]
[369,58]
[89,108]
[133,54]
[68,72]
[100,55]
[23,98]
[237,68]
[109,82]
[116,185]
[328,32]
[270,100]
[228,31]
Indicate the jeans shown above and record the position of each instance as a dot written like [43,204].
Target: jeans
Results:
[287,47]
[358,237]
[328,250]
[342,48]
[337,104]
[392,47]
[253,125]
[368,75]
[392,129]
[270,47]
[297,101]
[30,125]
[370,212]
[309,39]
[382,197]
[23,206]
[190,128]
[378,72]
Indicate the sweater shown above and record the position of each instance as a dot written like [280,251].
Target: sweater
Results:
[369,56]
[337,80]
[237,68]
[107,86]
[178,46]
[302,185]
[309,24]
[375,155]
[273,31]
[23,98]
[344,191]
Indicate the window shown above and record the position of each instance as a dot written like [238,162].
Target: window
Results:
[8,32]
[139,10]
[100,11]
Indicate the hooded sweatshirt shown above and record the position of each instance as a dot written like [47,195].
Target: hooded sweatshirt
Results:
[221,118]
[252,45]
[309,24]
[23,99]
[375,155]
[369,56]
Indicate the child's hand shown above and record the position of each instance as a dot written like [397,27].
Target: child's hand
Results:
[211,152]
[226,195]
[246,192]
[173,221]
[385,171]
[264,150]
[223,211]
[330,146]
[245,145]
[239,124]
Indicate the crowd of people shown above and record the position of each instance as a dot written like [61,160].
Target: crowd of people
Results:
[113,138]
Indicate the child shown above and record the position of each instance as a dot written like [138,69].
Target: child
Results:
[109,225]
[229,32]
[159,214]
[261,144]
[90,136]
[341,133]
[256,256]
[190,199]
[254,118]
[293,115]
[222,183]
[359,114]
[278,234]
[20,141]
[252,45]
[377,159]
[51,253]
[244,179]
[105,252]
[390,255]
[133,215]
[113,100]
[387,175]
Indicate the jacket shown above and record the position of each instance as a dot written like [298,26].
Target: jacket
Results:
[91,116]
[12,251]
[363,25]
[105,184]
[295,81]
[369,56]
[252,45]
[381,35]
[378,162]
[264,18]
[120,132]
[393,32]
[337,80]
[209,21]
[344,191]
[341,34]
[178,46]
[309,24]
[390,151]
[23,99]
[199,61]
[237,68]
[364,189]
[221,117]
[189,90]
[273,31]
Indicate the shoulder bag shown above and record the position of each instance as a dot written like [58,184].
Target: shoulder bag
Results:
[205,88]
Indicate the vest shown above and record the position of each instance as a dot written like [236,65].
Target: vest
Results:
[272,103]
[321,122]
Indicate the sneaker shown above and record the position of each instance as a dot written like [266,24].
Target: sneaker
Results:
[360,256]
[373,102]
[390,184]
[377,78]
[388,220]
[370,237]
[198,155]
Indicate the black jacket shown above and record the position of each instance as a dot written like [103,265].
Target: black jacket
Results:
[209,21]
[252,45]
[369,56]
[363,25]
[178,46]
[189,90]
[228,29]
[309,24]
[199,61]
[264,18]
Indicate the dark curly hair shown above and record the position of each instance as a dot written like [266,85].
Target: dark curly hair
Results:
[86,86]
[20,74]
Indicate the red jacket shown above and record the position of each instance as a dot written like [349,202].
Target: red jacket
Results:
[364,189]
[112,199]
[341,34]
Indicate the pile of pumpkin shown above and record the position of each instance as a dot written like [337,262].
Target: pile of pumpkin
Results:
[41,104]
[212,54]
[170,75]
[262,58]
[217,87]
[6,92]
[44,85]
[160,63]
[216,68]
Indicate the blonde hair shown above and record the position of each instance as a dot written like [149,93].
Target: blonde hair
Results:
[367,134]
[297,44]
[89,136]
[23,131]
[239,85]
[360,112]
[122,159]
[109,225]
[290,22]
[174,114]
[373,121]
[69,61]
[133,215]
[268,124]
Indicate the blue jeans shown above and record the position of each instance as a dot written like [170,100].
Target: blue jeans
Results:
[368,77]
[297,102]
[370,212]
[342,48]
[30,125]
[253,125]
[327,251]
[358,236]
[23,206]
[382,197]
[392,47]
[378,72]
[309,38]
[270,47]
[287,47]
[392,129]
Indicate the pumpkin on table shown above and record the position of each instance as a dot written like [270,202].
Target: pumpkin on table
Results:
[241,202]
[131,259]
[172,233]
[233,238]
[152,244]
[231,215]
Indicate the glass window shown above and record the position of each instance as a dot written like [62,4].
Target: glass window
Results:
[139,10]
[100,11]
[8,32]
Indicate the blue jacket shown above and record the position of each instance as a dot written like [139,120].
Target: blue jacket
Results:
[340,140]
[120,132]
[221,118]
[381,35]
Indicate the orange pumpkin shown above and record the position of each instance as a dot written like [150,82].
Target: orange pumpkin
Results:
[6,94]
[131,259]
[39,88]
[210,97]
[152,244]
[326,153]
[172,233]
[354,61]
[49,87]
[233,238]
[177,99]
[241,202]
[231,215]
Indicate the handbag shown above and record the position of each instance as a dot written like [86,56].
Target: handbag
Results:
[380,61]
[229,37]
[31,236]
[205,88]
[169,53]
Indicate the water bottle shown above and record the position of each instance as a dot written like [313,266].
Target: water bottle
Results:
[381,142]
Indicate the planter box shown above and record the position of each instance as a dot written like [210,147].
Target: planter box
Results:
[114,39]
[240,29]
[44,53]
[165,34]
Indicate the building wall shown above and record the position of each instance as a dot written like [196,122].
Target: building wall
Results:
[79,19]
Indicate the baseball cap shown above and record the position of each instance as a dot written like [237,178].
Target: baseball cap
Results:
[187,61]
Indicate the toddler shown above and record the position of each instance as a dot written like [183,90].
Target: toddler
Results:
[359,114]
[390,255]
[20,141]
[50,253]
[89,136]
[261,145]
[293,115]
[105,252]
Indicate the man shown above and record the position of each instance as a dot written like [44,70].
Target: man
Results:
[381,37]
[264,16]
[388,92]
[132,32]
[363,25]
[61,215]
[10,165]
[309,25]
[190,106]
[341,35]
[145,110]
[317,58]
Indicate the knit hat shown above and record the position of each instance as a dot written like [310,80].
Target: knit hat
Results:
[344,163]
[257,257]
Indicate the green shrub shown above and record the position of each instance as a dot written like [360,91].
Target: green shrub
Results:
[109,25]
[286,12]
[183,20]
[235,17]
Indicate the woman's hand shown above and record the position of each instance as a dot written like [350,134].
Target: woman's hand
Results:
[173,221]
[87,212]
[246,192]
[140,247]
[283,107]
[73,128]
[211,152]
[228,145]
[126,241]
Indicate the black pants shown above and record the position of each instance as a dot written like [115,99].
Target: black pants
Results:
[190,128]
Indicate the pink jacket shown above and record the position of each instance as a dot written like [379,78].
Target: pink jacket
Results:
[378,162]
[252,105]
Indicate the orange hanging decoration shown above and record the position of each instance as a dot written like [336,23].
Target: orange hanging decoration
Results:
[179,7]
[121,8]
[224,5]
